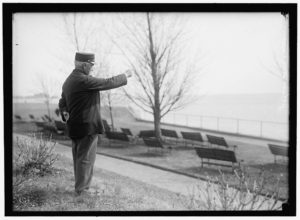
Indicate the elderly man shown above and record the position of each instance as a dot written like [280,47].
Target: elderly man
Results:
[80,109]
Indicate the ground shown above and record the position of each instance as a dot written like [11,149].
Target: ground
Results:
[183,159]
[111,192]
[253,155]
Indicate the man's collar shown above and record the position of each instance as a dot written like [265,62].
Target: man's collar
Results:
[78,71]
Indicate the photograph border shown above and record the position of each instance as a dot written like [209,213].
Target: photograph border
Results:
[8,10]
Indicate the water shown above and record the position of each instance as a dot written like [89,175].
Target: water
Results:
[262,115]
[261,107]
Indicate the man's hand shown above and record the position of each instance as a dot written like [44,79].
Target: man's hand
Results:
[128,73]
[66,115]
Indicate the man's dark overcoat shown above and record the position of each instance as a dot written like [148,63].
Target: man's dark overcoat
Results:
[80,97]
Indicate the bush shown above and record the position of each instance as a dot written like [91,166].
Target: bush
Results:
[35,155]
[249,194]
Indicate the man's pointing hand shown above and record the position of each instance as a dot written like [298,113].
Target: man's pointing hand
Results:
[128,73]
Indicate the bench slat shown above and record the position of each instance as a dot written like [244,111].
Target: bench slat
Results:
[216,154]
[169,133]
[117,135]
[147,133]
[126,131]
[278,150]
[217,140]
[194,136]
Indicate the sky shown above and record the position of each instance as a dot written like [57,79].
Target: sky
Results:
[237,48]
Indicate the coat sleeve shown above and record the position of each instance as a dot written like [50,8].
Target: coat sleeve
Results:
[93,83]
[62,106]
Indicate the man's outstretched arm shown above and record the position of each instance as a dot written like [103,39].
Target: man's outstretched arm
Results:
[93,83]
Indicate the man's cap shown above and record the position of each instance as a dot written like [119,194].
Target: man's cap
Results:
[85,57]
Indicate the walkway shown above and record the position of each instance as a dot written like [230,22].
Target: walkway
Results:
[163,179]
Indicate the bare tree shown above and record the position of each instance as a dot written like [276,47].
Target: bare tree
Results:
[155,51]
[106,97]
[46,89]
[280,67]
[85,33]
[80,29]
[281,62]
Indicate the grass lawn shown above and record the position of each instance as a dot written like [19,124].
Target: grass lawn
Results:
[112,192]
[185,160]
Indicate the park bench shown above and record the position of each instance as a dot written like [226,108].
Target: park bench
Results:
[132,137]
[126,131]
[18,117]
[115,135]
[106,126]
[170,135]
[192,137]
[217,155]
[278,150]
[60,127]
[146,133]
[219,141]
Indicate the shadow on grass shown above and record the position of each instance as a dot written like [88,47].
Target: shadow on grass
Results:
[205,171]
[272,167]
[113,146]
[30,198]
[148,154]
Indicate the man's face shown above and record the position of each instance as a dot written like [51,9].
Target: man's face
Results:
[88,68]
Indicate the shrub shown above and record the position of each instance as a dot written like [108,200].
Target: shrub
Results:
[35,155]
[249,194]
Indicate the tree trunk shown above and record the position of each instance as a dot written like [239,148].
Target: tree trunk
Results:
[154,73]
[48,107]
[157,124]
[110,112]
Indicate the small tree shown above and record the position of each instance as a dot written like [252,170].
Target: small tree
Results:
[163,74]
[46,87]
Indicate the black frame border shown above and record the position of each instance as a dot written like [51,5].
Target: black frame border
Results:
[8,9]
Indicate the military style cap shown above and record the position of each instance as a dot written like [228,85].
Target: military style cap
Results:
[85,57]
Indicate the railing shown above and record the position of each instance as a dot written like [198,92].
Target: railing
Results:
[266,129]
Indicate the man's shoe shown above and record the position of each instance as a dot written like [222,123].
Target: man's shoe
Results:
[90,192]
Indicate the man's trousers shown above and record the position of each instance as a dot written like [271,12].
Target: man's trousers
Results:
[84,156]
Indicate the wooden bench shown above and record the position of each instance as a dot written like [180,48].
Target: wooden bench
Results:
[18,117]
[146,133]
[192,136]
[133,138]
[114,135]
[170,134]
[218,155]
[218,141]
[126,131]
[278,150]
